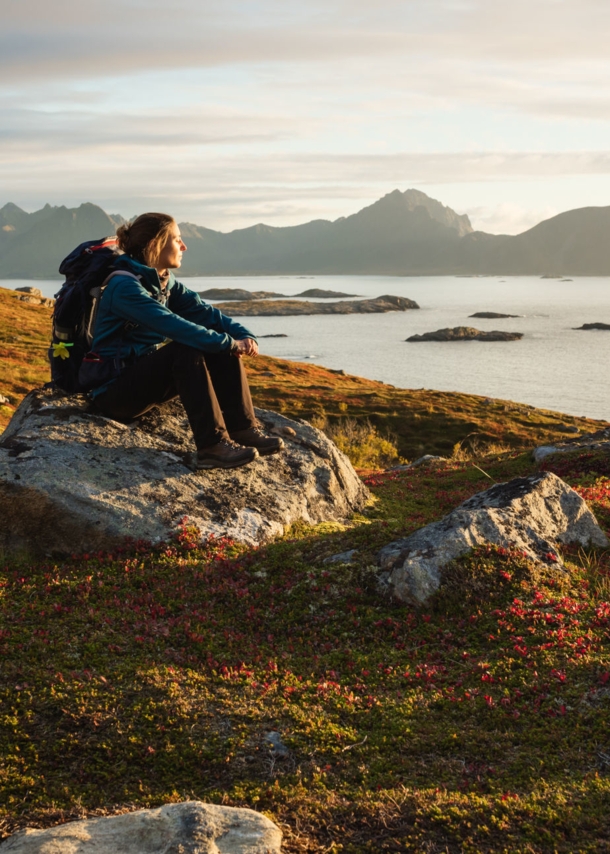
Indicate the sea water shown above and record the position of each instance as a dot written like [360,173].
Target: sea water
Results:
[554,366]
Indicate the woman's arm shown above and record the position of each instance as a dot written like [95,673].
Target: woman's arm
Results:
[129,300]
[189,305]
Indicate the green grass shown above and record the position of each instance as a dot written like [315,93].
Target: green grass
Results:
[477,724]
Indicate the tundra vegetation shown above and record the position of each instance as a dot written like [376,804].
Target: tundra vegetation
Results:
[153,674]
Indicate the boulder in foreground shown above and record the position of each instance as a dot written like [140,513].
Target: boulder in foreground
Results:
[74,481]
[466,333]
[530,514]
[191,827]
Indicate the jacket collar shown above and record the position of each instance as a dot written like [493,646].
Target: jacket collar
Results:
[148,276]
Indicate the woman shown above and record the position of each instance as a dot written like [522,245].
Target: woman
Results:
[131,371]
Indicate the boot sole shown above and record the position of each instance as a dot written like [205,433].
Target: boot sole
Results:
[262,452]
[222,464]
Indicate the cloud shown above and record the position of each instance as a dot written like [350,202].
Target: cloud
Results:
[41,39]
[279,109]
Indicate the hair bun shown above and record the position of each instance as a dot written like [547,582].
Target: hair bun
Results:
[122,236]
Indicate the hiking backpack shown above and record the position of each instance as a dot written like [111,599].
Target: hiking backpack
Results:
[87,269]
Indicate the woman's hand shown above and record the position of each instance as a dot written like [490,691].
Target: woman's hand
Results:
[246,347]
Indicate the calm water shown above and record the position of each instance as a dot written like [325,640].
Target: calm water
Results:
[553,366]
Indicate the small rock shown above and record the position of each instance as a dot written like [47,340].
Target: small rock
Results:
[3,399]
[192,827]
[28,289]
[567,428]
[599,441]
[427,459]
[274,741]
[531,514]
[543,451]
[343,557]
[286,431]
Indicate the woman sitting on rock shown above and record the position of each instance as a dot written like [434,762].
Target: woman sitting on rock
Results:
[201,364]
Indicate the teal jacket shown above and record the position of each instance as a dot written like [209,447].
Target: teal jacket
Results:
[134,316]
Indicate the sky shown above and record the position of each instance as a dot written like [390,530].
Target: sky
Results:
[230,113]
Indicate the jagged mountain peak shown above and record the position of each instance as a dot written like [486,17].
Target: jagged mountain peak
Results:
[398,201]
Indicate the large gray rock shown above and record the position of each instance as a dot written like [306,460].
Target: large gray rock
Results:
[530,514]
[73,481]
[187,828]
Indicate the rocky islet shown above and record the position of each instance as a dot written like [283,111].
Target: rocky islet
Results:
[466,333]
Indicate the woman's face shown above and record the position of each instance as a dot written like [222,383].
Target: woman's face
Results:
[171,255]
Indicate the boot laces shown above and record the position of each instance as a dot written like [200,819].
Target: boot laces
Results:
[229,443]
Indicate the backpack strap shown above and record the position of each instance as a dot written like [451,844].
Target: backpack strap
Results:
[96,295]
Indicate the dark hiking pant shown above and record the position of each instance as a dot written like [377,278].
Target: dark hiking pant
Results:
[213,389]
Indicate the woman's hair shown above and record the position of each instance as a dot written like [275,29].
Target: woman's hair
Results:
[144,238]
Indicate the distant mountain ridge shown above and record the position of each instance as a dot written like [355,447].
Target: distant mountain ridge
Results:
[403,233]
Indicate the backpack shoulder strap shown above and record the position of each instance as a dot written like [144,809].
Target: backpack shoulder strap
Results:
[96,295]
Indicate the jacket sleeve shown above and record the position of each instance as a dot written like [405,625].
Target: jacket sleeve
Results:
[189,305]
[130,301]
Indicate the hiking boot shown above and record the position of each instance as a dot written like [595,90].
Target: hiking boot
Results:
[255,437]
[225,454]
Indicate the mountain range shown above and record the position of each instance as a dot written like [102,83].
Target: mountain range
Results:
[403,233]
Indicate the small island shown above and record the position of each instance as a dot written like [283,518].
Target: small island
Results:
[466,333]
[284,308]
[241,294]
[492,315]
[319,293]
[593,326]
[237,294]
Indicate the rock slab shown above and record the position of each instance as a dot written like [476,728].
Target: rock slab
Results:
[531,514]
[188,828]
[74,481]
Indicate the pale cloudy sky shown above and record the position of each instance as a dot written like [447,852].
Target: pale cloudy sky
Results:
[241,111]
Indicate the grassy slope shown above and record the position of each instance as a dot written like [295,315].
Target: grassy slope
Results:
[479,724]
[25,331]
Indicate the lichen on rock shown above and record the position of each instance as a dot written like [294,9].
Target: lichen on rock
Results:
[72,480]
[191,826]
[530,514]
